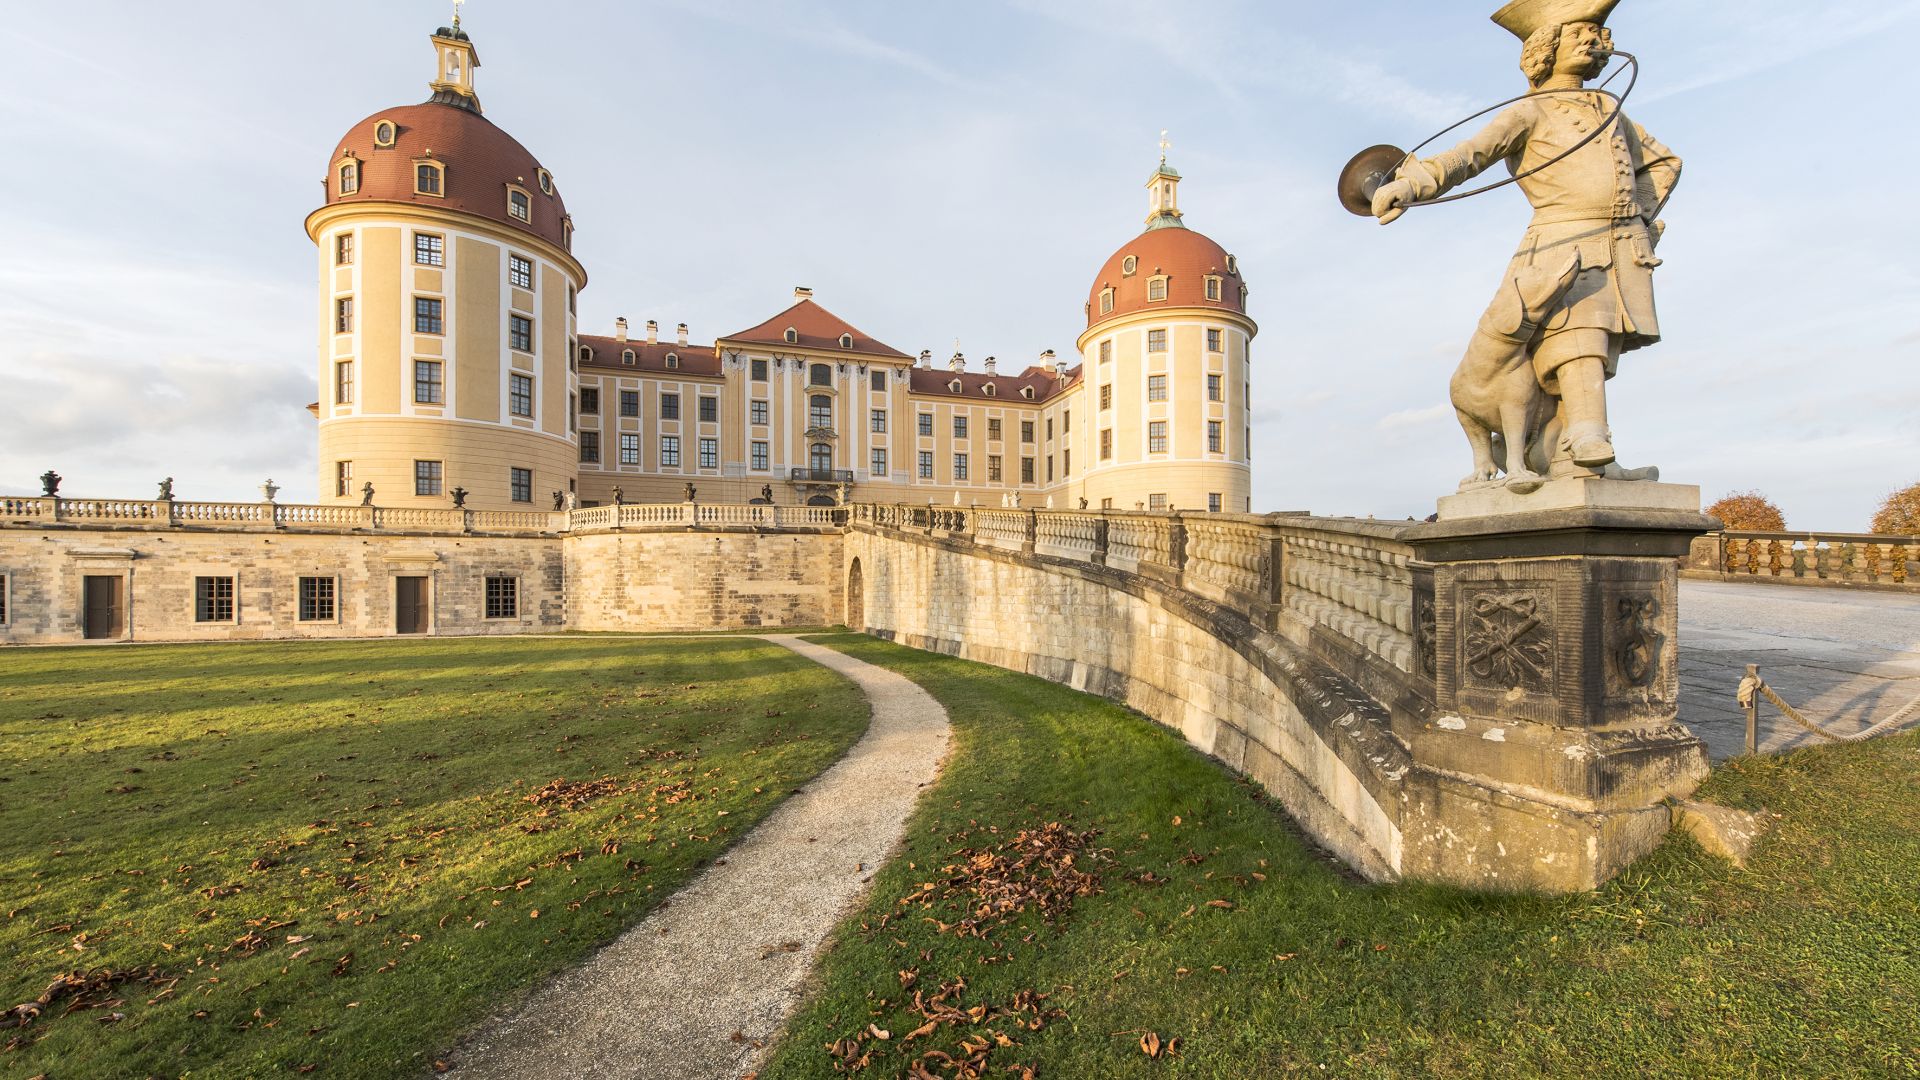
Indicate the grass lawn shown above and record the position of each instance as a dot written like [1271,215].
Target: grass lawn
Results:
[333,857]
[1803,965]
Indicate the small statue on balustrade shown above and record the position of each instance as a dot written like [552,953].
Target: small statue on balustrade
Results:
[559,500]
[1083,502]
[766,492]
[366,494]
[619,497]
[691,491]
[166,490]
[459,498]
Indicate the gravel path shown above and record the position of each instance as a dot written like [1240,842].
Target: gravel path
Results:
[729,952]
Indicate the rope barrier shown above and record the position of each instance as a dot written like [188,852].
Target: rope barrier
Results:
[1753,683]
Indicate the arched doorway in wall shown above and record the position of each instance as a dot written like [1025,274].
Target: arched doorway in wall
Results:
[856,598]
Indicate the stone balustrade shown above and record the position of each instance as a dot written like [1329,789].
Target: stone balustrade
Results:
[1356,579]
[1834,559]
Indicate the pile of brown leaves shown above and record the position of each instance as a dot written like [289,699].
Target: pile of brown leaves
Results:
[573,794]
[1039,869]
[968,1059]
[88,990]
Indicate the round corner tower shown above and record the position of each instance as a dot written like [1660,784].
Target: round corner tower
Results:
[446,308]
[1165,355]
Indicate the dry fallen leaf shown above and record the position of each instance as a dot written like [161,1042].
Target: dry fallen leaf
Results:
[1150,1044]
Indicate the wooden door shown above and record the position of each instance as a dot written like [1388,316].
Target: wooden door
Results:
[410,605]
[105,603]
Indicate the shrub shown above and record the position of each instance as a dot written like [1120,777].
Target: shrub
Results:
[1748,511]
[1900,514]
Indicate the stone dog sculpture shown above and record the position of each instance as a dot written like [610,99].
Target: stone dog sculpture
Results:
[1496,395]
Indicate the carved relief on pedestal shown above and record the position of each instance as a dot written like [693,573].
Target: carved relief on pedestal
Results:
[1506,640]
[1426,638]
[1635,651]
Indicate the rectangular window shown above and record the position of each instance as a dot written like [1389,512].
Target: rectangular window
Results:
[213,599]
[1156,388]
[503,598]
[1026,470]
[709,409]
[519,207]
[317,599]
[1213,337]
[343,249]
[1106,350]
[1157,437]
[959,427]
[759,371]
[427,389]
[878,380]
[1066,461]
[1049,468]
[820,411]
[343,315]
[877,463]
[426,179]
[1214,388]
[759,457]
[1157,288]
[426,316]
[1106,444]
[426,478]
[877,421]
[926,464]
[994,472]
[1106,301]
[1157,502]
[1026,431]
[520,485]
[520,395]
[1213,436]
[757,412]
[573,412]
[1066,421]
[343,383]
[630,449]
[669,406]
[629,403]
[959,466]
[590,447]
[519,272]
[709,453]
[342,478]
[1213,502]
[520,333]
[926,423]
[429,250]
[1106,395]
[670,451]
[1156,341]
[590,399]
[1213,289]
[993,430]
[1049,429]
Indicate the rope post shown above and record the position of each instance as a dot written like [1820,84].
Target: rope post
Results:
[1753,712]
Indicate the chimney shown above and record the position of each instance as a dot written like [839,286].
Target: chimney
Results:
[683,333]
[1053,363]
[620,329]
[653,331]
[958,364]
[926,358]
[801,292]
[990,364]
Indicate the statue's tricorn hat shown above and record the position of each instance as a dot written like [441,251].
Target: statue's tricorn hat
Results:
[1523,17]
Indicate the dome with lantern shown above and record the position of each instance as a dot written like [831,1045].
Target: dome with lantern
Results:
[1167,265]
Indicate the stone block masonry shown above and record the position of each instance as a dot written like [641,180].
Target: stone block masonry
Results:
[702,580]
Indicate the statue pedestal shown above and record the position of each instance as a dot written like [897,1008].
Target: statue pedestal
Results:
[1554,738]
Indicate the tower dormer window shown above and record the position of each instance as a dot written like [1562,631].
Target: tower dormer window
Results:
[546,182]
[384,133]
[846,341]
[1129,264]
[429,178]
[1027,392]
[1213,287]
[955,386]
[1156,288]
[349,177]
[988,390]
[586,354]
[791,336]
[626,357]
[1106,301]
[673,360]
[519,205]
[566,232]
[1233,264]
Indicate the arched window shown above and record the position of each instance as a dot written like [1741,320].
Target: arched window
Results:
[1106,301]
[626,356]
[429,178]
[792,336]
[1156,288]
[673,360]
[586,353]
[846,341]
[349,177]
[820,375]
[820,411]
[820,457]
[988,390]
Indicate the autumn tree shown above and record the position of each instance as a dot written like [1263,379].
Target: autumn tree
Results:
[1900,514]
[1748,511]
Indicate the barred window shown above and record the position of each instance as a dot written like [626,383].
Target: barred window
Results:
[709,453]
[429,250]
[759,370]
[926,464]
[1156,388]
[519,272]
[343,249]
[757,412]
[877,421]
[1214,389]
[343,315]
[427,388]
[426,316]
[877,463]
[959,466]
[520,395]
[1106,395]
[1157,437]
[317,599]
[759,457]
[1213,436]
[426,478]
[1026,470]
[629,449]
[1106,444]
[590,399]
[520,484]
[709,409]
[993,430]
[590,447]
[1156,341]
[343,383]
[993,468]
[629,403]
[213,599]
[670,451]
[959,427]
[1214,337]
[669,406]
[503,598]
[926,423]
[520,333]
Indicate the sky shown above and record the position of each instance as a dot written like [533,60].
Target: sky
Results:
[943,173]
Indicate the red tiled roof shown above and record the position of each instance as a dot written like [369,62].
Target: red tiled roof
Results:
[1186,257]
[480,160]
[935,382]
[816,328]
[694,359]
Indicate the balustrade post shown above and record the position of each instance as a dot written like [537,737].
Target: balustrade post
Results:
[1032,538]
[1177,544]
[466,520]
[58,513]
[1100,540]
[173,520]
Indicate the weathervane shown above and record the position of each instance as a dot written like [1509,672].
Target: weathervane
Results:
[456,13]
[1164,145]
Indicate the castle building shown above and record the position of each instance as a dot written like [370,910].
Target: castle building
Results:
[450,359]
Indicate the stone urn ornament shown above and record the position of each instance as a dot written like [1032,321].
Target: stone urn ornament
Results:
[50,484]
[269,489]
[459,498]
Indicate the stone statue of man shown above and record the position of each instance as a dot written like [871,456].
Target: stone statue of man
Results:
[1602,203]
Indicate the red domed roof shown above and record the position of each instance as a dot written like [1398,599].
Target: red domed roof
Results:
[1185,257]
[479,160]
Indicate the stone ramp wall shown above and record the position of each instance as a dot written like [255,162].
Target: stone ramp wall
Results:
[702,580]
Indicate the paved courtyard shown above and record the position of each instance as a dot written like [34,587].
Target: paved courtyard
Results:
[1843,657]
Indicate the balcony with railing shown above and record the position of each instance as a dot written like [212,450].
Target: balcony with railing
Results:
[802,475]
